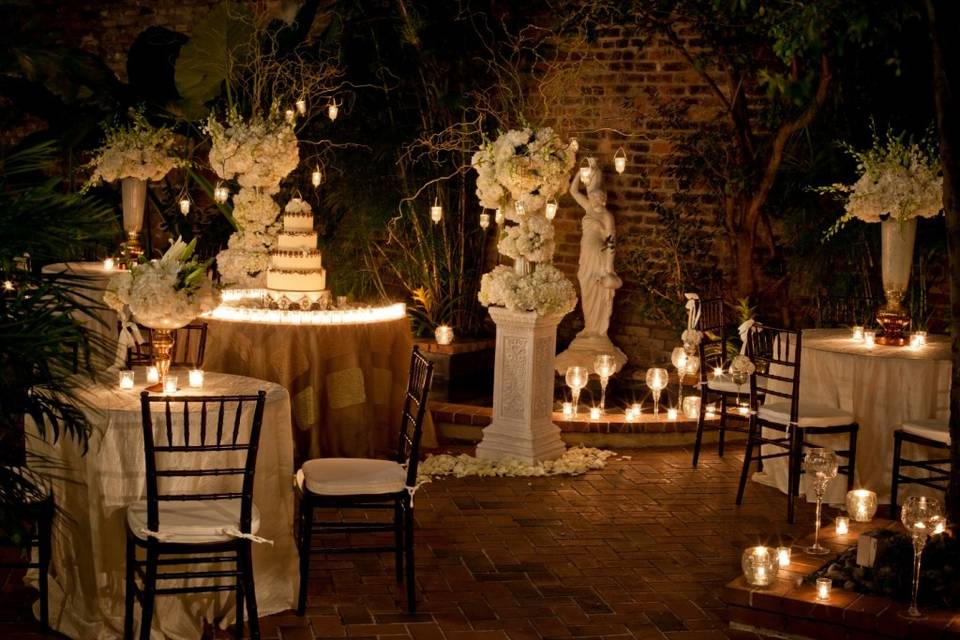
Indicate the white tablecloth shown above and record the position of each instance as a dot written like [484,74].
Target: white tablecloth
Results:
[882,387]
[92,282]
[87,574]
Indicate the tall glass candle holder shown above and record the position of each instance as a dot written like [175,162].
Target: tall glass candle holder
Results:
[657,381]
[576,379]
[822,466]
[605,366]
[923,517]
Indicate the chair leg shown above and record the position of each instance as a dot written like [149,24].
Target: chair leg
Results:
[722,427]
[149,592]
[793,470]
[239,592]
[895,486]
[306,526]
[852,461]
[129,586]
[747,458]
[249,590]
[44,534]
[700,423]
[408,542]
[398,523]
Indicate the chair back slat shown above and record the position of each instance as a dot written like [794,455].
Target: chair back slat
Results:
[183,456]
[713,339]
[189,347]
[776,355]
[844,311]
[412,416]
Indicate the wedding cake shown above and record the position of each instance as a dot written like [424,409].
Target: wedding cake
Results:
[296,275]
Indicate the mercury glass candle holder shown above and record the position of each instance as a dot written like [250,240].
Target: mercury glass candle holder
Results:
[444,334]
[691,407]
[861,504]
[760,565]
[126,379]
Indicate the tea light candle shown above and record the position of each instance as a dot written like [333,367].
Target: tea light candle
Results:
[126,378]
[870,338]
[444,334]
[783,557]
[843,525]
[153,376]
[108,264]
[858,334]
[567,409]
[918,339]
[672,413]
[718,372]
[861,504]
[594,413]
[629,415]
[691,407]
[711,411]
[289,115]
[170,384]
[196,378]
[823,588]
[743,410]
[760,565]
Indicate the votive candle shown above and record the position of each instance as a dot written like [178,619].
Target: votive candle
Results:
[718,372]
[196,378]
[711,410]
[153,376]
[843,525]
[637,410]
[870,338]
[567,409]
[760,565]
[444,334]
[861,504]
[594,413]
[783,557]
[672,413]
[126,378]
[108,264]
[823,588]
[170,384]
[858,333]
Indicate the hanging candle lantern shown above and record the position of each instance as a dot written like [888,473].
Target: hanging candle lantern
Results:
[436,211]
[220,193]
[519,208]
[333,110]
[498,216]
[551,209]
[302,107]
[620,160]
[289,115]
[484,221]
[585,171]
[184,205]
[574,145]
[316,177]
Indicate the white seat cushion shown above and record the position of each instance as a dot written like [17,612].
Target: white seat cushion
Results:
[931,428]
[192,522]
[725,384]
[351,476]
[809,414]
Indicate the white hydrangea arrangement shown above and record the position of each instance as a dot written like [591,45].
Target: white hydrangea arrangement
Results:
[259,152]
[172,290]
[527,166]
[897,178]
[545,291]
[244,262]
[136,150]
[532,239]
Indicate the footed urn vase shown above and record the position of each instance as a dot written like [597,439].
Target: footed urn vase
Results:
[134,202]
[896,242]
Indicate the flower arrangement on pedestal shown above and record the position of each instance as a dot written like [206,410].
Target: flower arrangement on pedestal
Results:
[259,153]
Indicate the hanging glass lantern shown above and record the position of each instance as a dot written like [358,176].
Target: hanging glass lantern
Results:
[333,110]
[436,211]
[184,205]
[518,206]
[498,216]
[620,160]
[551,209]
[574,145]
[289,115]
[585,171]
[316,177]
[302,107]
[221,193]
[484,221]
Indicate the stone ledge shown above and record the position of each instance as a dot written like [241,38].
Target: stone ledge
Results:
[430,345]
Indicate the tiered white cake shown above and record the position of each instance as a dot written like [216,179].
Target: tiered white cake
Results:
[296,274]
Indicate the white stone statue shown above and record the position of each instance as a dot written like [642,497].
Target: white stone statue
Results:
[598,279]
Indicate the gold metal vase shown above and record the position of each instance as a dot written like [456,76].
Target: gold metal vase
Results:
[161,346]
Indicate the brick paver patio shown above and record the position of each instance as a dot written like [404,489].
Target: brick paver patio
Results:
[641,549]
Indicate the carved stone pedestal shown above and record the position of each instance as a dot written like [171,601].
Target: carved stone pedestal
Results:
[522,426]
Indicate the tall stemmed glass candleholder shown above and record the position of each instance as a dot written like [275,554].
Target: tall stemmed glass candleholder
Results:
[605,366]
[822,466]
[657,382]
[739,373]
[923,517]
[679,359]
[576,379]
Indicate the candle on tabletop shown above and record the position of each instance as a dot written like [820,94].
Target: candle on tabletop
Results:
[126,378]
[567,409]
[783,557]
[196,378]
[594,413]
[843,525]
[170,384]
[823,589]
[153,376]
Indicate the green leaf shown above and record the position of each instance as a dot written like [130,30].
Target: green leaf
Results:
[208,61]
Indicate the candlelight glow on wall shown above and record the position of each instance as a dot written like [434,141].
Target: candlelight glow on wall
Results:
[861,504]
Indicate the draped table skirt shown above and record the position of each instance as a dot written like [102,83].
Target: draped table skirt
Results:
[92,488]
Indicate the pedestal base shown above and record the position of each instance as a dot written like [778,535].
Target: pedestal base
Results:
[503,440]
[583,351]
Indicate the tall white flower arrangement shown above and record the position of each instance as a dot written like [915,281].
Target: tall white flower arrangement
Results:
[135,150]
[259,153]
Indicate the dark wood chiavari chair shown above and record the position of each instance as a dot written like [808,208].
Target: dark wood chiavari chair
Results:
[844,311]
[931,433]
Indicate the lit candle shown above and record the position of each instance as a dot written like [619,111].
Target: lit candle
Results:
[843,525]
[861,504]
[551,210]
[760,565]
[184,206]
[302,107]
[620,160]
[711,410]
[153,376]
[567,409]
[444,334]
[498,216]
[823,588]
[858,333]
[783,557]
[333,110]
[671,413]
[718,372]
[637,410]
[170,384]
[484,220]
[108,264]
[436,212]
[289,115]
[870,338]
[594,413]
[691,407]
[126,378]
[196,378]
[585,174]
[316,177]
[628,415]
[743,410]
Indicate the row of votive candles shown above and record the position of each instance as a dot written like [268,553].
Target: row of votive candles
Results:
[194,378]
[869,337]
[691,410]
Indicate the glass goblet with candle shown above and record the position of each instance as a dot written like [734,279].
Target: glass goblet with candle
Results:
[657,381]
[605,366]
[822,466]
[576,379]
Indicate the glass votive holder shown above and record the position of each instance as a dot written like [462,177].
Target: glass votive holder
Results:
[711,410]
[861,504]
[153,375]
[870,338]
[718,372]
[567,409]
[743,409]
[444,334]
[783,557]
[170,384]
[594,413]
[918,339]
[760,565]
[126,378]
[691,407]
[857,333]
[823,589]
[342,301]
[843,525]
[672,413]
[195,378]
[108,264]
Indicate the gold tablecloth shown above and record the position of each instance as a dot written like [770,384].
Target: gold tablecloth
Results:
[346,382]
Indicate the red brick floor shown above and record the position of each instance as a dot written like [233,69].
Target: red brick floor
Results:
[641,549]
